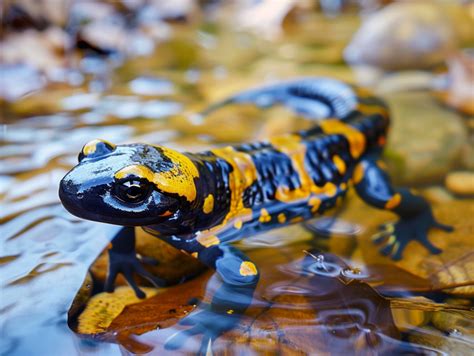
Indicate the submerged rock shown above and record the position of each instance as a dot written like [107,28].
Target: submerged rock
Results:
[425,141]
[407,35]
[461,183]
[437,195]
[457,90]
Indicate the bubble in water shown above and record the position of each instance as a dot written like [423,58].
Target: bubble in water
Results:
[324,268]
[454,333]
[354,273]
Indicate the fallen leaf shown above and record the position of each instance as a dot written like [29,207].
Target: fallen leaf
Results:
[296,310]
[103,308]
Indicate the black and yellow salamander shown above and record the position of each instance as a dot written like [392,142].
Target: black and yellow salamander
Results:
[200,202]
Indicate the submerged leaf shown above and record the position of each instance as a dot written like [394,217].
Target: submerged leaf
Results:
[103,308]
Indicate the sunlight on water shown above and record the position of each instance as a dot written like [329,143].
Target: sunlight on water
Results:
[336,285]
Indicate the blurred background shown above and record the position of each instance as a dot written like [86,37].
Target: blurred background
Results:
[137,70]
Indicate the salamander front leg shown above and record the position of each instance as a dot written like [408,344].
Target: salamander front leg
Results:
[123,259]
[416,217]
[239,279]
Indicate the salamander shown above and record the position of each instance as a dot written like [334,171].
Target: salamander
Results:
[201,202]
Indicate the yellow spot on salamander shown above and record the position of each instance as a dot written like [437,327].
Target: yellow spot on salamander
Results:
[208,240]
[166,213]
[242,176]
[247,268]
[340,164]
[357,140]
[264,216]
[230,311]
[292,146]
[281,218]
[208,204]
[178,180]
[382,141]
[343,186]
[394,201]
[358,174]
[238,224]
[330,189]
[381,164]
[314,203]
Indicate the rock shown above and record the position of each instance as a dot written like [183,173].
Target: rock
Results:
[403,35]
[461,183]
[425,141]
[457,90]
[409,80]
[437,194]
[264,17]
[21,14]
[42,50]
[467,153]
[462,18]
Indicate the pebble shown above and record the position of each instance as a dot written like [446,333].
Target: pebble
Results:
[437,194]
[403,35]
[460,182]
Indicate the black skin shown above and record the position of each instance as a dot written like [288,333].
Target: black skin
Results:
[316,98]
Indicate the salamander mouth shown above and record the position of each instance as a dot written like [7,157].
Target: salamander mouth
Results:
[99,205]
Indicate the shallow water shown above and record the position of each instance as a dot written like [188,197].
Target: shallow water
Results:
[46,252]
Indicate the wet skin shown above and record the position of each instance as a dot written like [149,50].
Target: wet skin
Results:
[200,202]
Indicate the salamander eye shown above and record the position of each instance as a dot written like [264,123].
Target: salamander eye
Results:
[133,190]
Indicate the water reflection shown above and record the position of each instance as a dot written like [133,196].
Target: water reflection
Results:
[303,303]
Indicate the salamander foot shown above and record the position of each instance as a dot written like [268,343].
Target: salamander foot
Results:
[394,237]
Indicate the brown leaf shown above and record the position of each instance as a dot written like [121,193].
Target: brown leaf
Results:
[293,312]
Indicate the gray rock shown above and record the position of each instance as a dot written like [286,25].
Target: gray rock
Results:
[402,36]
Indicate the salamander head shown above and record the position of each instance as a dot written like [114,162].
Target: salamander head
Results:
[130,185]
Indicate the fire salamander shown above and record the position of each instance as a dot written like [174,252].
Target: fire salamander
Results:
[200,202]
